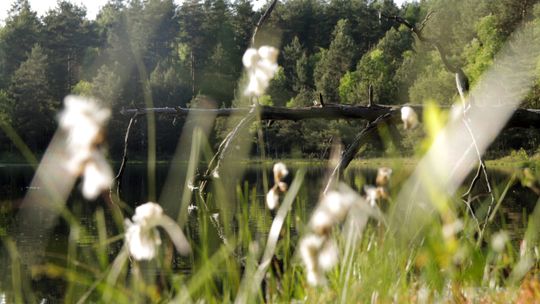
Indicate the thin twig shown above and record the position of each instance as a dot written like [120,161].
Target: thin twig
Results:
[418,32]
[353,148]
[473,182]
[215,163]
[263,18]
[486,176]
[118,177]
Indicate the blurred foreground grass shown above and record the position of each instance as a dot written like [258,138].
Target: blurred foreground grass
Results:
[443,264]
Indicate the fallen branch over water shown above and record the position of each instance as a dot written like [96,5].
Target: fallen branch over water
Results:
[522,118]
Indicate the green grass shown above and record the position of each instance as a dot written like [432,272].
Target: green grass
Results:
[384,267]
[392,260]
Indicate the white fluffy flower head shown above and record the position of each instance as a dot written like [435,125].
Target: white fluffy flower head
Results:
[142,242]
[280,171]
[261,66]
[142,237]
[371,195]
[280,187]
[499,240]
[148,214]
[97,176]
[409,117]
[383,176]
[82,122]
[272,199]
[319,254]
[449,230]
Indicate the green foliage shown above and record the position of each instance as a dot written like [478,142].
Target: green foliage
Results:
[434,82]
[334,62]
[278,88]
[172,53]
[66,36]
[348,88]
[17,37]
[6,104]
[304,98]
[32,114]
[266,100]
[520,155]
[83,88]
[377,67]
[481,50]
[106,85]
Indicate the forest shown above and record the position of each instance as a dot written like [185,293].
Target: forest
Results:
[179,55]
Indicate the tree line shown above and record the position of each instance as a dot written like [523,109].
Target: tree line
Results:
[178,55]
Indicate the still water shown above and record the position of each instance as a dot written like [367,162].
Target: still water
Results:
[15,180]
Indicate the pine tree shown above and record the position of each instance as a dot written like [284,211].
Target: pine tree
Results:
[21,31]
[67,36]
[334,62]
[33,111]
[243,22]
[377,68]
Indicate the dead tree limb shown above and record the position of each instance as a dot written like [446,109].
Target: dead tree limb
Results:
[118,176]
[215,162]
[263,19]
[522,118]
[358,142]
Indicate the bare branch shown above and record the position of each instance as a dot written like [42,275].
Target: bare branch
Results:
[370,95]
[215,162]
[263,18]
[418,32]
[357,143]
[118,176]
[426,19]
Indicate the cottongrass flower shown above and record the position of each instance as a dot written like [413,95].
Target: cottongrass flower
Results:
[82,122]
[320,254]
[450,230]
[272,198]
[280,187]
[499,240]
[261,66]
[332,210]
[383,177]
[142,236]
[375,194]
[409,117]
[318,250]
[97,176]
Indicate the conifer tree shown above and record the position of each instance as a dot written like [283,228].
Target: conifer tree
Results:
[21,31]
[335,62]
[33,106]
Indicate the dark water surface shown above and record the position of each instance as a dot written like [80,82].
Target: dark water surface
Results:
[15,180]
